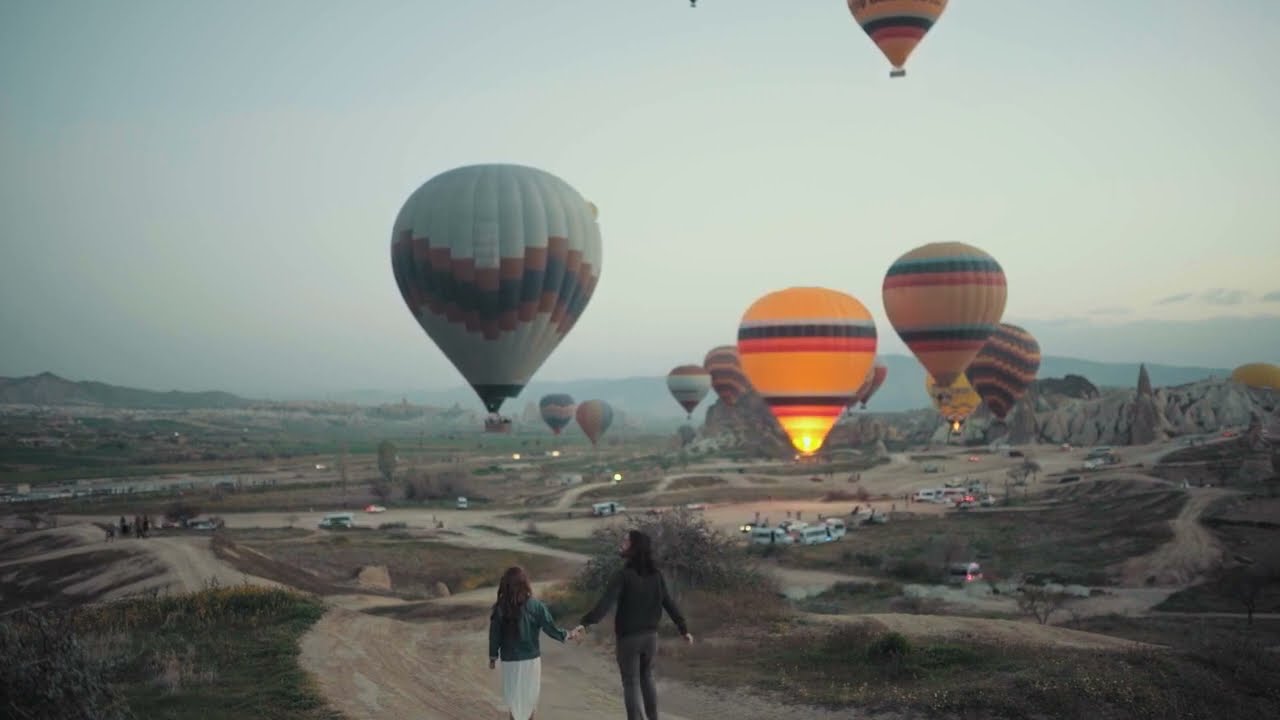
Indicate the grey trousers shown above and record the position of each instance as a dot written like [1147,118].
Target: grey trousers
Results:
[636,654]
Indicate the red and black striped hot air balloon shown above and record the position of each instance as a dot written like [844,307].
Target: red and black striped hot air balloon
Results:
[897,26]
[944,300]
[875,378]
[726,373]
[1005,368]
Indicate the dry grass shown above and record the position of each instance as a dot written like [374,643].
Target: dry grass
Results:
[415,565]
[695,483]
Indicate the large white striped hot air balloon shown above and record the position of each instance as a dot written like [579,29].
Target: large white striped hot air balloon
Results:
[688,384]
[496,263]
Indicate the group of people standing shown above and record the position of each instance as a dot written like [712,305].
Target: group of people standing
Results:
[140,528]
[638,596]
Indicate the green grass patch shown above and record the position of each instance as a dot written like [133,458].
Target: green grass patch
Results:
[221,654]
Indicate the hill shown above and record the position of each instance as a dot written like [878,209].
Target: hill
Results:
[903,388]
[49,389]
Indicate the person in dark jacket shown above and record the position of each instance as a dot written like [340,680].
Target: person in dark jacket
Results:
[517,621]
[639,593]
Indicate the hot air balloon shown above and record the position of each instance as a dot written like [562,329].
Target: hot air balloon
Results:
[875,378]
[955,402]
[556,410]
[1258,375]
[594,417]
[496,263]
[897,26]
[726,373]
[806,351]
[688,384]
[1004,368]
[944,300]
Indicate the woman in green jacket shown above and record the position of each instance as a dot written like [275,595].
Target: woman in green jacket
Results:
[515,625]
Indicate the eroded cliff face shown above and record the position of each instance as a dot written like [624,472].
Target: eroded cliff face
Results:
[1055,411]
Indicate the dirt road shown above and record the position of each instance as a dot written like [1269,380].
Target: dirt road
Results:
[1188,557]
[375,667]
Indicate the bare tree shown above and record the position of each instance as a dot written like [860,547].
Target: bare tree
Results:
[1246,584]
[380,490]
[342,473]
[1040,603]
[387,460]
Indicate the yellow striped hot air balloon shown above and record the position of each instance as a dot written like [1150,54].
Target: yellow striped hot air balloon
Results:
[944,300]
[806,351]
[955,402]
[726,373]
[897,26]
[1004,368]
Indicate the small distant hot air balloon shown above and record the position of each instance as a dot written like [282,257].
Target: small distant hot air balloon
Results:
[726,373]
[897,26]
[1004,368]
[944,300]
[496,263]
[556,410]
[1258,375]
[594,417]
[875,378]
[806,350]
[955,402]
[688,384]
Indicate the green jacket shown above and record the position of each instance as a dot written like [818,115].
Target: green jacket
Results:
[534,617]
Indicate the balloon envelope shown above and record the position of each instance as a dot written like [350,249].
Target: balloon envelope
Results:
[955,402]
[556,410]
[726,373]
[897,26]
[1004,368]
[496,263]
[594,417]
[875,378]
[944,300]
[688,384]
[806,350]
[1258,375]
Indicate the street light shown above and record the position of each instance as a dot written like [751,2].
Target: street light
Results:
[617,477]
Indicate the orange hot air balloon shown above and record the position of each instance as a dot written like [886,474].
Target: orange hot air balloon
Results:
[726,373]
[806,350]
[955,402]
[1005,368]
[594,417]
[897,26]
[944,300]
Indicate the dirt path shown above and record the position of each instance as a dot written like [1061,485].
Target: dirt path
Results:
[571,496]
[1188,557]
[374,667]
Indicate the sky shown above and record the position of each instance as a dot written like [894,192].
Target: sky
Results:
[200,195]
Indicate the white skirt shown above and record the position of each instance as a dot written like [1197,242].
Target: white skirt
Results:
[521,684]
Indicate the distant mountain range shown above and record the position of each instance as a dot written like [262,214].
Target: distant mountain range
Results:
[639,396]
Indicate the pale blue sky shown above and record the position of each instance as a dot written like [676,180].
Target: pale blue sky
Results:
[198,194]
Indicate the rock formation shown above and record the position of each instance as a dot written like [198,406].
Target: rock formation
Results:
[1056,410]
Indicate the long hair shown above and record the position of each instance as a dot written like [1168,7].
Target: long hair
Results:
[513,592]
[640,554]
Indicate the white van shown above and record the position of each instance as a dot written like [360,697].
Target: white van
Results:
[837,527]
[462,503]
[813,534]
[770,536]
[603,509]
[930,495]
[338,520]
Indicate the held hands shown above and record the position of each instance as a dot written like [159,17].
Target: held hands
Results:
[577,633]
[492,663]
[688,638]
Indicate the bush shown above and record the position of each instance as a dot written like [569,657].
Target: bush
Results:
[888,648]
[911,570]
[46,674]
[689,551]
[393,526]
